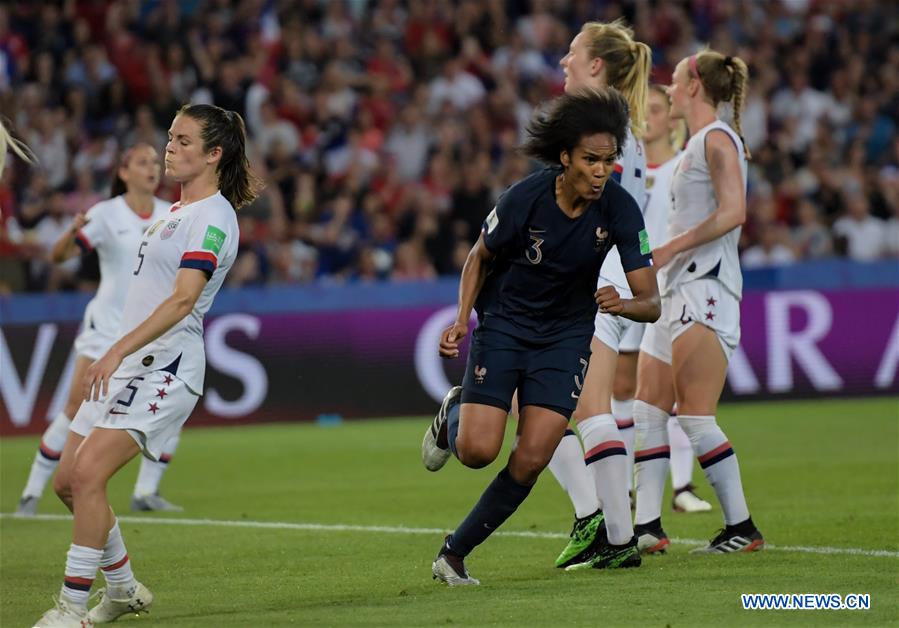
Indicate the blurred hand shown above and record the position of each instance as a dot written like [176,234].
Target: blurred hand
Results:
[450,339]
[96,380]
[79,221]
[608,300]
[661,256]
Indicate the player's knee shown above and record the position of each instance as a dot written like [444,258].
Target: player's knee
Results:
[475,454]
[83,479]
[71,408]
[526,466]
[62,486]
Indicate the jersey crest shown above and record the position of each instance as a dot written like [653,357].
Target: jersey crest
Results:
[169,229]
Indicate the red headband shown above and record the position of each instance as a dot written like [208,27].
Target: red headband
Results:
[693,68]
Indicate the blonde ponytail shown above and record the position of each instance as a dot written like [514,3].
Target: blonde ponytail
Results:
[8,142]
[627,64]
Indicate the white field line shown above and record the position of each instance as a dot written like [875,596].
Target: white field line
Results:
[322,527]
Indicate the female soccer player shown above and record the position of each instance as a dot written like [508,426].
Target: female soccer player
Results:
[532,279]
[151,378]
[606,54]
[114,228]
[701,286]
[663,139]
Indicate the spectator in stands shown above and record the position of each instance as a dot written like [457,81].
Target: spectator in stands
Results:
[860,233]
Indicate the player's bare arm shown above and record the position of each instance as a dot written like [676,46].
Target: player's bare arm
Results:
[64,248]
[644,307]
[724,167]
[473,275]
[189,284]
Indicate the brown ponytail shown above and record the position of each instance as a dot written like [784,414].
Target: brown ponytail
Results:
[226,129]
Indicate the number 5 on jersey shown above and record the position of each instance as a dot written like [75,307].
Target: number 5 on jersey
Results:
[140,257]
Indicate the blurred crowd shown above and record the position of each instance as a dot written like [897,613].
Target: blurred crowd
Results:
[385,129]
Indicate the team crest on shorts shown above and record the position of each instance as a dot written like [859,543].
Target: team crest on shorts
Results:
[480,373]
[169,229]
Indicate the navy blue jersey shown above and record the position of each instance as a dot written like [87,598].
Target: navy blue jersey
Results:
[541,283]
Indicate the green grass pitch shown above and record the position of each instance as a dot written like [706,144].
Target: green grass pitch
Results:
[819,474]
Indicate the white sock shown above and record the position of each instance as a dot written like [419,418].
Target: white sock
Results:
[718,461]
[150,474]
[651,460]
[623,411]
[567,466]
[116,566]
[606,458]
[681,455]
[47,457]
[81,569]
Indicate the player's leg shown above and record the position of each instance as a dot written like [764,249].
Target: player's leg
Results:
[699,364]
[540,431]
[98,458]
[606,460]
[655,397]
[152,424]
[146,495]
[52,442]
[684,497]
[470,423]
[624,388]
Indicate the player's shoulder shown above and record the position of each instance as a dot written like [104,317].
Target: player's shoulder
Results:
[617,195]
[216,208]
[531,186]
[105,208]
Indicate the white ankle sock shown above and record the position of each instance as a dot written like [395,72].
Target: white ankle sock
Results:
[623,411]
[681,455]
[606,458]
[651,460]
[47,457]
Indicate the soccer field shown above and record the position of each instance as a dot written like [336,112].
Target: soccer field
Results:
[335,526]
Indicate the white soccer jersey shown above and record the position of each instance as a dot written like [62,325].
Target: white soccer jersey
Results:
[630,170]
[693,201]
[658,200]
[202,235]
[115,232]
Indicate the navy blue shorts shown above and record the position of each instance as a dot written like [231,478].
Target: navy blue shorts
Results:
[550,376]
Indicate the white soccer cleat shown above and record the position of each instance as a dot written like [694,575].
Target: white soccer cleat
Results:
[64,615]
[109,609]
[27,506]
[433,457]
[685,500]
[153,503]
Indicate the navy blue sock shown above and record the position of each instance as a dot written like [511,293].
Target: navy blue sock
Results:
[452,427]
[497,503]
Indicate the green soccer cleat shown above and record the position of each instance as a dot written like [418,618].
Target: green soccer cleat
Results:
[607,556]
[583,534]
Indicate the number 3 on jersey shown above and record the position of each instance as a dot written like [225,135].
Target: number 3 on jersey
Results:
[140,257]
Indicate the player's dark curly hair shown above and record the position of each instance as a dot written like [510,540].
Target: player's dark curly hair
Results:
[569,118]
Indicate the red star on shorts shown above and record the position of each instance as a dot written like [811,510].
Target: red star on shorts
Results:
[709,316]
[161,393]
[167,380]
[711,301]
[154,408]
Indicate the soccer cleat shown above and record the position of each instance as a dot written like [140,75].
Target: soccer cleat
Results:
[608,556]
[651,538]
[732,539]
[27,506]
[583,535]
[147,503]
[433,456]
[686,500]
[450,568]
[110,609]
[64,615]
